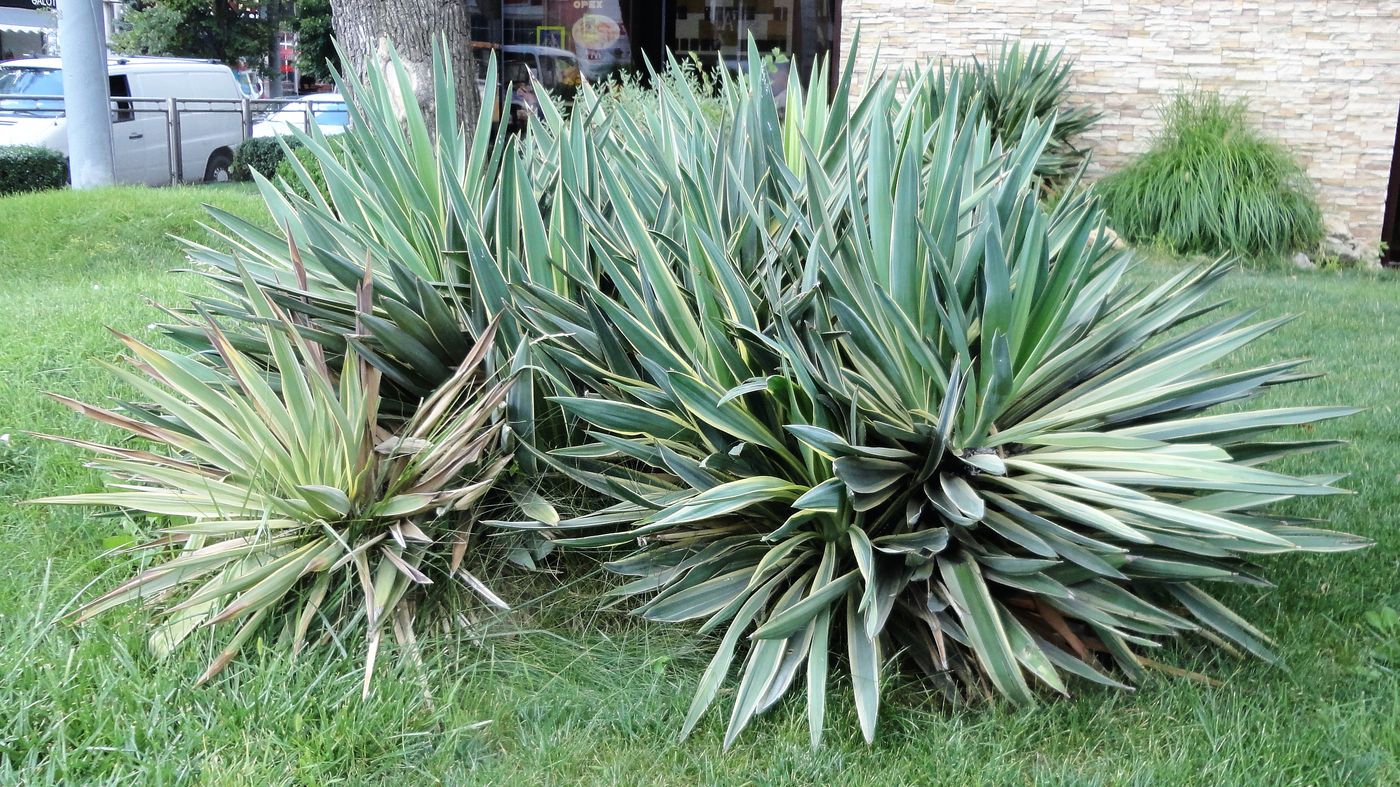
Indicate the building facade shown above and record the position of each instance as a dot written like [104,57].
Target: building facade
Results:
[28,28]
[1322,76]
[605,35]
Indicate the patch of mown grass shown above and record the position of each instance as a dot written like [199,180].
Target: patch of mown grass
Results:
[562,693]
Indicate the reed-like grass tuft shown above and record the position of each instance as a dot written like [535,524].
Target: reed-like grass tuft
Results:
[1213,184]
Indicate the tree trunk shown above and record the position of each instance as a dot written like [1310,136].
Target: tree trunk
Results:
[412,26]
[274,12]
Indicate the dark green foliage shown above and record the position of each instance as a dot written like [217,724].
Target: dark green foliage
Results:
[1212,184]
[31,168]
[310,166]
[196,28]
[259,154]
[316,54]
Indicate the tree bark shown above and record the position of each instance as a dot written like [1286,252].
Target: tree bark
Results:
[274,12]
[362,26]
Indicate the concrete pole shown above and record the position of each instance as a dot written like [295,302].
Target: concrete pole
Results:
[85,93]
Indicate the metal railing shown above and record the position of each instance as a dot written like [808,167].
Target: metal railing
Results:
[251,111]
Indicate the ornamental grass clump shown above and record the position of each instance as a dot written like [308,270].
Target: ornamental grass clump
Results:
[863,402]
[1212,184]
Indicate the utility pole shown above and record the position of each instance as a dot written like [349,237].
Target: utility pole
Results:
[86,102]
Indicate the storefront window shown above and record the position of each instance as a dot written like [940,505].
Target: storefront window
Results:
[563,39]
[791,32]
[588,37]
[27,28]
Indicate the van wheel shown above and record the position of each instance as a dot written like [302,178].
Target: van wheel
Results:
[219,167]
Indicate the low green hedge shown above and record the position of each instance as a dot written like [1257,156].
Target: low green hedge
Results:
[261,154]
[30,168]
[311,164]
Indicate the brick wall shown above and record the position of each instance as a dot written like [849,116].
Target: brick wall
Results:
[1321,75]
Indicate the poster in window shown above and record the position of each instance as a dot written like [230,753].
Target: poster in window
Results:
[551,36]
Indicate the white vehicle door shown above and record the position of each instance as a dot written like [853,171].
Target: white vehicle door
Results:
[205,126]
[139,145]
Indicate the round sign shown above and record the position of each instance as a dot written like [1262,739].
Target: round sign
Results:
[596,31]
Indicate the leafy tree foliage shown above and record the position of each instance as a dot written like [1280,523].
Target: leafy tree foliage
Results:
[315,39]
[223,31]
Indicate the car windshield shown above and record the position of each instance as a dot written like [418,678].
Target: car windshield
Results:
[327,113]
[17,82]
[331,114]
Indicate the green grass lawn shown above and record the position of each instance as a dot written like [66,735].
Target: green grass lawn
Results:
[563,694]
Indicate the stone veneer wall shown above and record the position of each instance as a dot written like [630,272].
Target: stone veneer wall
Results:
[1321,75]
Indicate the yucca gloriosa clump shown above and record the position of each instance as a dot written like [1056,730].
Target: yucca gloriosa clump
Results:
[852,388]
[283,498]
[352,378]
[1014,90]
[855,390]
[408,205]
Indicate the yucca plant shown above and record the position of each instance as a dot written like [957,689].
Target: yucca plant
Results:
[890,406]
[1015,89]
[285,504]
[428,213]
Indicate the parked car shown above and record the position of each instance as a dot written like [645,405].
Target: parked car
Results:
[209,132]
[326,110]
[518,67]
[554,68]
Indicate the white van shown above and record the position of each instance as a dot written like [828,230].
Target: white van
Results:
[553,67]
[209,132]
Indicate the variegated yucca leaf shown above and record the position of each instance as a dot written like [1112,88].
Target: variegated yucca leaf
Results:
[282,496]
[860,397]
[432,214]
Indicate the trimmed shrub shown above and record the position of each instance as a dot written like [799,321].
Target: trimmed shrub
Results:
[31,168]
[310,167]
[260,154]
[1212,184]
